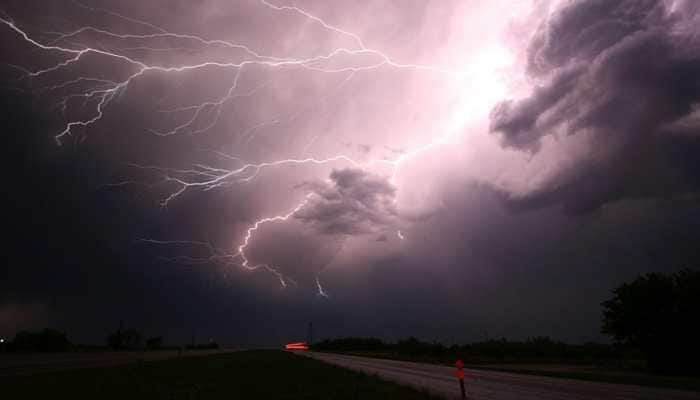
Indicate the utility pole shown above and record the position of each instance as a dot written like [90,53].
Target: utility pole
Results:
[310,337]
[119,342]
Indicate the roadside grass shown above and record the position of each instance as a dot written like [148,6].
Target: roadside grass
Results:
[259,374]
[627,374]
[611,376]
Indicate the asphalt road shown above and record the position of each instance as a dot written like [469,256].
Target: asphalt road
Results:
[488,385]
[27,364]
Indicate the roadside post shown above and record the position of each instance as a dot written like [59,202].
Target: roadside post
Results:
[460,375]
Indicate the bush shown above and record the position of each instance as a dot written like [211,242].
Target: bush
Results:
[154,343]
[657,313]
[47,340]
[129,339]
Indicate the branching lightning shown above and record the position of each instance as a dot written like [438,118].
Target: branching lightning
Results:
[102,92]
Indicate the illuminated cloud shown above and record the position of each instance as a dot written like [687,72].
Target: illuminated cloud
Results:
[276,160]
[353,202]
[624,75]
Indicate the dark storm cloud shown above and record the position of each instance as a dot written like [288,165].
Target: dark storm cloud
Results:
[627,75]
[617,72]
[585,28]
[352,202]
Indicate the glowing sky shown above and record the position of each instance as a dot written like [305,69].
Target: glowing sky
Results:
[376,160]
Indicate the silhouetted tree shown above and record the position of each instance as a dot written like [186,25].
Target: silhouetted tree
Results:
[129,339]
[351,344]
[658,313]
[413,346]
[154,343]
[211,344]
[47,340]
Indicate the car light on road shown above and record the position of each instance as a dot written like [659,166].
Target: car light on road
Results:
[297,346]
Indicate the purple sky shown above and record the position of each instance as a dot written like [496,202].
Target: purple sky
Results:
[443,169]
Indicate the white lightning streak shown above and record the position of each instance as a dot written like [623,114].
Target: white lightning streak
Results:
[362,48]
[108,94]
[201,176]
[120,16]
[323,23]
[319,287]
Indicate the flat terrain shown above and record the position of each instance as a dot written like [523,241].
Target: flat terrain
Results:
[28,364]
[491,385]
[598,374]
[263,374]
[628,372]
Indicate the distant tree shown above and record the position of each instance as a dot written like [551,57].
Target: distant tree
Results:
[351,344]
[658,314]
[489,351]
[154,343]
[115,341]
[129,339]
[132,339]
[204,346]
[212,344]
[47,340]
[413,346]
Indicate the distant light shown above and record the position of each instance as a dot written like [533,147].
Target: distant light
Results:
[2,340]
[297,346]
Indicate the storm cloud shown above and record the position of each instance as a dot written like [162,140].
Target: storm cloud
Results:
[352,202]
[431,168]
[624,75]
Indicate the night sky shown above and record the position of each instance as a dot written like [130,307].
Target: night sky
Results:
[451,170]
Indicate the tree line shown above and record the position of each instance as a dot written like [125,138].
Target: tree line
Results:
[653,318]
[53,341]
[542,349]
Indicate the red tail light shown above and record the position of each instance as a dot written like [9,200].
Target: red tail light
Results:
[297,346]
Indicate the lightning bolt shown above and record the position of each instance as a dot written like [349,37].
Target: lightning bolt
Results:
[102,92]
[321,290]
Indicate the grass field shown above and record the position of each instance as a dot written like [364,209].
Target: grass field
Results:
[263,374]
[594,373]
[597,374]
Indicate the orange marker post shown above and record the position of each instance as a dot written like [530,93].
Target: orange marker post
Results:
[460,375]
